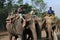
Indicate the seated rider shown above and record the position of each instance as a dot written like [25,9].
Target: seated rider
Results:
[50,11]
[20,11]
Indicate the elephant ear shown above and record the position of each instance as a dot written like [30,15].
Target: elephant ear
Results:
[27,16]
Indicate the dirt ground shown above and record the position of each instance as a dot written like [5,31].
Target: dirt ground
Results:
[4,35]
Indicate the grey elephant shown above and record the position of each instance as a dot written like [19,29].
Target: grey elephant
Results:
[14,27]
[30,25]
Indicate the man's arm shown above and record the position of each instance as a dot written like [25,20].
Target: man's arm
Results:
[17,16]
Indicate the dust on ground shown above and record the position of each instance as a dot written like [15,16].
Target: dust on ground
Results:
[4,35]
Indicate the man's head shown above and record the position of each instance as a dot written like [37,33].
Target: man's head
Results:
[21,6]
[50,8]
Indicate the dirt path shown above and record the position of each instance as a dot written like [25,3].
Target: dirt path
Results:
[4,38]
[4,35]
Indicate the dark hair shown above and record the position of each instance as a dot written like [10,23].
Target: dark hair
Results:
[21,5]
[50,7]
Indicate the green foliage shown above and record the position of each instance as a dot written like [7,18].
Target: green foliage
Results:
[4,9]
[27,8]
[58,19]
[39,5]
[20,1]
[2,3]
[9,5]
[15,6]
[3,15]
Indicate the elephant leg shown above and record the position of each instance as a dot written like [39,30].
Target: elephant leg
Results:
[19,37]
[10,37]
[52,35]
[24,36]
[47,34]
[34,32]
[15,37]
[55,36]
[30,37]
[40,34]
[38,30]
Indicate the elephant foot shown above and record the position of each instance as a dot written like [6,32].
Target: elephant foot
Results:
[39,39]
[47,38]
[18,38]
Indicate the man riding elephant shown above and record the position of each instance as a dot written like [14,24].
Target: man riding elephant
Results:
[50,11]
[21,12]
[50,24]
[15,26]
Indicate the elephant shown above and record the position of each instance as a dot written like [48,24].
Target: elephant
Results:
[50,25]
[14,27]
[38,21]
[38,25]
[30,25]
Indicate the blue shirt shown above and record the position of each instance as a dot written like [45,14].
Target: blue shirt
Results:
[50,11]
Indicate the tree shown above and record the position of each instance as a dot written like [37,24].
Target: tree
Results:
[27,8]
[2,3]
[20,1]
[4,9]
[2,15]
[39,5]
